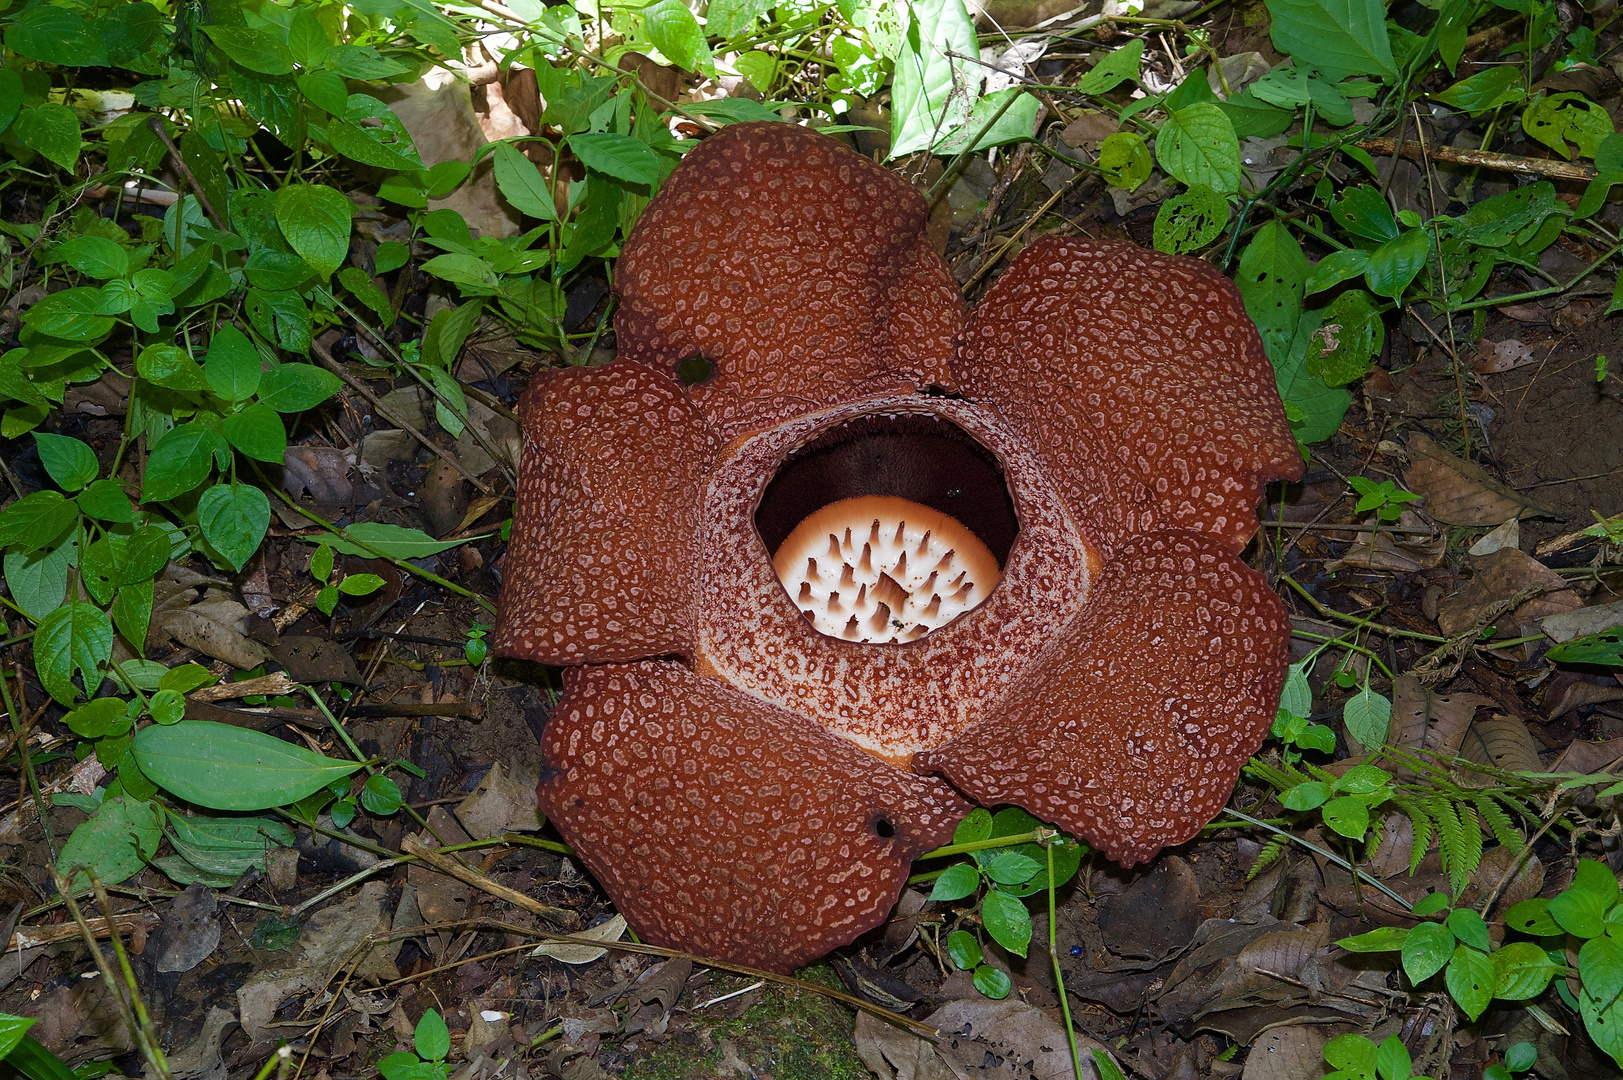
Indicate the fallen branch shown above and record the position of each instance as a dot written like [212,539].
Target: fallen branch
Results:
[1484,159]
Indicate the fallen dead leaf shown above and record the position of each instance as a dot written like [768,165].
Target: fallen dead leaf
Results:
[1493,357]
[1459,492]
[1399,553]
[979,1038]
[1500,742]
[1500,578]
[501,803]
[569,953]
[1507,535]
[1288,1052]
[1581,622]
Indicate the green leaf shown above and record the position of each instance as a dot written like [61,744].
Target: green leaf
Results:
[1272,277]
[1364,212]
[1341,35]
[392,540]
[1124,160]
[992,982]
[186,678]
[316,221]
[1336,267]
[114,844]
[71,463]
[1308,796]
[619,156]
[234,518]
[1118,65]
[359,144]
[76,637]
[933,89]
[257,50]
[1470,979]
[1011,868]
[1007,920]
[1394,264]
[1469,928]
[431,1040]
[522,184]
[39,580]
[56,35]
[381,795]
[232,365]
[1603,1022]
[1196,145]
[1385,939]
[94,256]
[1190,220]
[963,949]
[104,716]
[307,39]
[11,97]
[231,768]
[1425,950]
[325,90]
[258,432]
[1489,89]
[462,269]
[360,584]
[676,33]
[1521,970]
[1580,913]
[50,130]
[1558,119]
[291,388]
[1532,917]
[226,846]
[182,460]
[1348,816]
[1392,1060]
[1596,877]
[132,611]
[147,554]
[1600,966]
[170,367]
[1367,716]
[1347,339]
[359,283]
[975,827]
[12,1030]
[1363,780]
[1015,123]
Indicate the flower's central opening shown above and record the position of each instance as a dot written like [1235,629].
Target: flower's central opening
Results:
[888,527]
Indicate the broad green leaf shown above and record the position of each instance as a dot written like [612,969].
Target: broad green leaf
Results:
[1340,35]
[1488,89]
[94,256]
[325,90]
[360,284]
[114,844]
[55,35]
[1559,119]
[1124,160]
[963,949]
[431,1039]
[992,982]
[1007,920]
[1384,939]
[74,314]
[1603,1022]
[1594,876]
[468,271]
[307,39]
[51,130]
[12,1030]
[232,364]
[676,33]
[1346,341]
[1580,913]
[1367,715]
[11,97]
[39,580]
[1017,122]
[147,553]
[381,795]
[1521,970]
[975,827]
[1308,796]
[71,463]
[1348,816]
[182,460]
[1117,66]
[316,221]
[933,90]
[955,883]
[1272,276]
[1426,949]
[104,500]
[1196,145]
[1336,267]
[231,768]
[522,184]
[132,611]
[258,432]
[358,144]
[1532,917]
[1470,979]
[75,638]
[1468,926]
[1392,1059]
[360,584]
[392,540]
[1012,821]
[1190,220]
[1600,965]
[234,518]
[226,846]
[1364,211]
[104,716]
[291,388]
[263,51]
[620,156]
[1394,264]
[169,367]
[1011,867]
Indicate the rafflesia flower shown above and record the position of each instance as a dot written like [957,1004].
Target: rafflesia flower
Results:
[1034,552]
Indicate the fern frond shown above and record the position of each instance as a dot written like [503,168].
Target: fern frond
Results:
[1270,853]
[1504,830]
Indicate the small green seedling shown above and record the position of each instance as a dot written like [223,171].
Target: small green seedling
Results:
[1356,1058]
[1385,498]
[432,1041]
[476,648]
[333,585]
[1291,725]
[1519,1058]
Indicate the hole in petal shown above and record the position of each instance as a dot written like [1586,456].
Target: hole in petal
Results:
[883,828]
[888,527]
[695,369]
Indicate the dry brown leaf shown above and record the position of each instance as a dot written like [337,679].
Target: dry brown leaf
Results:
[1500,578]
[1399,553]
[1289,1052]
[1459,492]
[215,626]
[1570,690]
[569,953]
[1425,720]
[1581,622]
[1501,742]
[1493,357]
[501,803]
[979,1038]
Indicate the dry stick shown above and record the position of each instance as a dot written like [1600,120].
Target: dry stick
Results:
[29,936]
[468,875]
[133,1011]
[1485,159]
[179,162]
[359,387]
